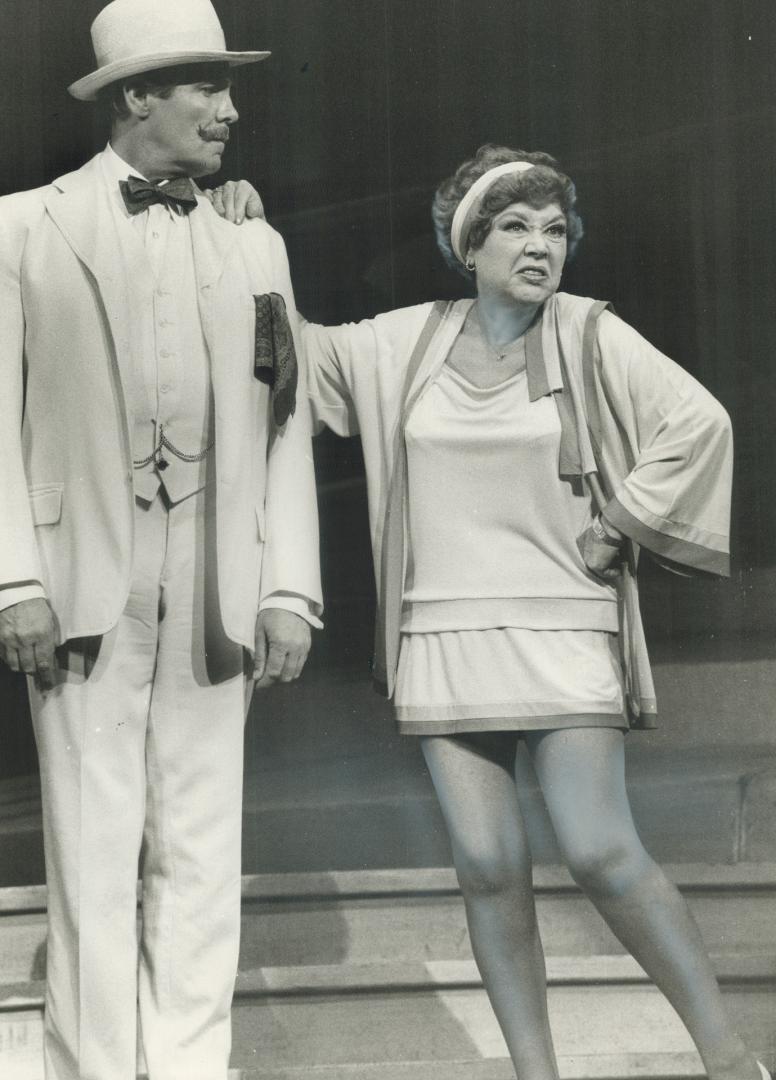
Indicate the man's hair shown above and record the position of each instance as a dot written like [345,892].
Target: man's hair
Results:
[160,83]
[538,187]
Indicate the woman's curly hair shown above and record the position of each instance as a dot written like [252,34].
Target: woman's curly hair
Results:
[538,187]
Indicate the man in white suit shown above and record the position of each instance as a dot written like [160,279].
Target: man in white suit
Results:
[158,542]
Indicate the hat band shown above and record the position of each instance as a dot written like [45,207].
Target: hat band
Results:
[459,231]
[171,41]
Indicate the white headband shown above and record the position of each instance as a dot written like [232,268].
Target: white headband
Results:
[459,231]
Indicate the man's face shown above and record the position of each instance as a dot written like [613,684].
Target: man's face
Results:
[187,132]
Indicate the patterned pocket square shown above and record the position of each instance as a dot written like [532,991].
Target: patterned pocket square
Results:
[275,356]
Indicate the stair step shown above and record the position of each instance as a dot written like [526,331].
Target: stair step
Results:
[377,916]
[443,1034]
[292,1028]
[407,915]
[368,976]
[454,1024]
[602,1067]
[364,979]
[438,1009]
[316,980]
[22,1064]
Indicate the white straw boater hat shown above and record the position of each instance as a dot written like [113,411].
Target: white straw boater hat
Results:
[132,36]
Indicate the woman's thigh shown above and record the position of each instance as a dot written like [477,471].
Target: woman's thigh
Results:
[474,780]
[581,772]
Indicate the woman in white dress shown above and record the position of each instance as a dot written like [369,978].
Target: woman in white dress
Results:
[519,451]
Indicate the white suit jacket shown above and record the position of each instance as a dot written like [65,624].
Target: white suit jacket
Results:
[66,480]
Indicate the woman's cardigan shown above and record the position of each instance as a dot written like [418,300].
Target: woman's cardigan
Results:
[653,444]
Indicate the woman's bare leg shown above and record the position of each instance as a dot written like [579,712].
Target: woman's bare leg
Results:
[582,775]
[477,795]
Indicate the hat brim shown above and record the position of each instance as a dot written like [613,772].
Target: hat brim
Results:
[88,88]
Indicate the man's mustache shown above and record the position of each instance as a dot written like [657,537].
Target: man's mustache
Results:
[217,133]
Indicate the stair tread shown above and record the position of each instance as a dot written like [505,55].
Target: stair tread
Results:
[342,884]
[446,1036]
[607,970]
[699,876]
[657,1066]
[386,977]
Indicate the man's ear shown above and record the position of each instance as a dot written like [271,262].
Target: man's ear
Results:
[137,101]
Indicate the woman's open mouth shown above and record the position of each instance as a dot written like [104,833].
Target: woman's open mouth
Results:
[533,273]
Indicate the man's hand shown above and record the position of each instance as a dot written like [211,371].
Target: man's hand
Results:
[601,557]
[28,640]
[282,645]
[236,200]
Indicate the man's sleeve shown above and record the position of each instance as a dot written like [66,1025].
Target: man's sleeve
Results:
[20,570]
[290,577]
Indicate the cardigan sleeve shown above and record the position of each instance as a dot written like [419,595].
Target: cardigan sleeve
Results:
[356,370]
[332,353]
[673,498]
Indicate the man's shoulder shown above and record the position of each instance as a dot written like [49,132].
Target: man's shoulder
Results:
[21,206]
[257,233]
[252,228]
[260,231]
[21,214]
[256,241]
[33,197]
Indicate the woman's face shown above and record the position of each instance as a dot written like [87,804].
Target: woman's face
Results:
[523,254]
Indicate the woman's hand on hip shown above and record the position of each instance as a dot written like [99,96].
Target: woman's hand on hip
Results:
[601,552]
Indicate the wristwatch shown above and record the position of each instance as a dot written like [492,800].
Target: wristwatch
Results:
[601,534]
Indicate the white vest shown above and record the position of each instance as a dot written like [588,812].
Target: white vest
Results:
[171,394]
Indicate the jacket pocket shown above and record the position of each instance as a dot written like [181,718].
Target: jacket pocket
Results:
[46,503]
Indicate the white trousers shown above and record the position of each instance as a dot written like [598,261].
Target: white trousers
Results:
[141,751]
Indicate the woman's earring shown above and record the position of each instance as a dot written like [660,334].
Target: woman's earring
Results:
[469,264]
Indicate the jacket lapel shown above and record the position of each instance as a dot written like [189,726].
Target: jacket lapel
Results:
[80,208]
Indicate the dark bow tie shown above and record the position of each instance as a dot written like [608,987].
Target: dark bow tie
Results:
[139,194]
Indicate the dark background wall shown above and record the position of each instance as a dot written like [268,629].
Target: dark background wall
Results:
[665,115]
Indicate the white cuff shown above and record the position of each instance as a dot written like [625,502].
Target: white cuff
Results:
[299,605]
[15,594]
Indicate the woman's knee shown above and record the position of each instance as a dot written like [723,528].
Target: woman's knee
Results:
[492,872]
[611,868]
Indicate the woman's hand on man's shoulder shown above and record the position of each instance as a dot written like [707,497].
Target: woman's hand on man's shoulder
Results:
[236,201]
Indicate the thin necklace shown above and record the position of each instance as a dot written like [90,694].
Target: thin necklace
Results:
[499,353]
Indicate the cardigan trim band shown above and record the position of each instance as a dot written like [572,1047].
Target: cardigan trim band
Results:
[684,552]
